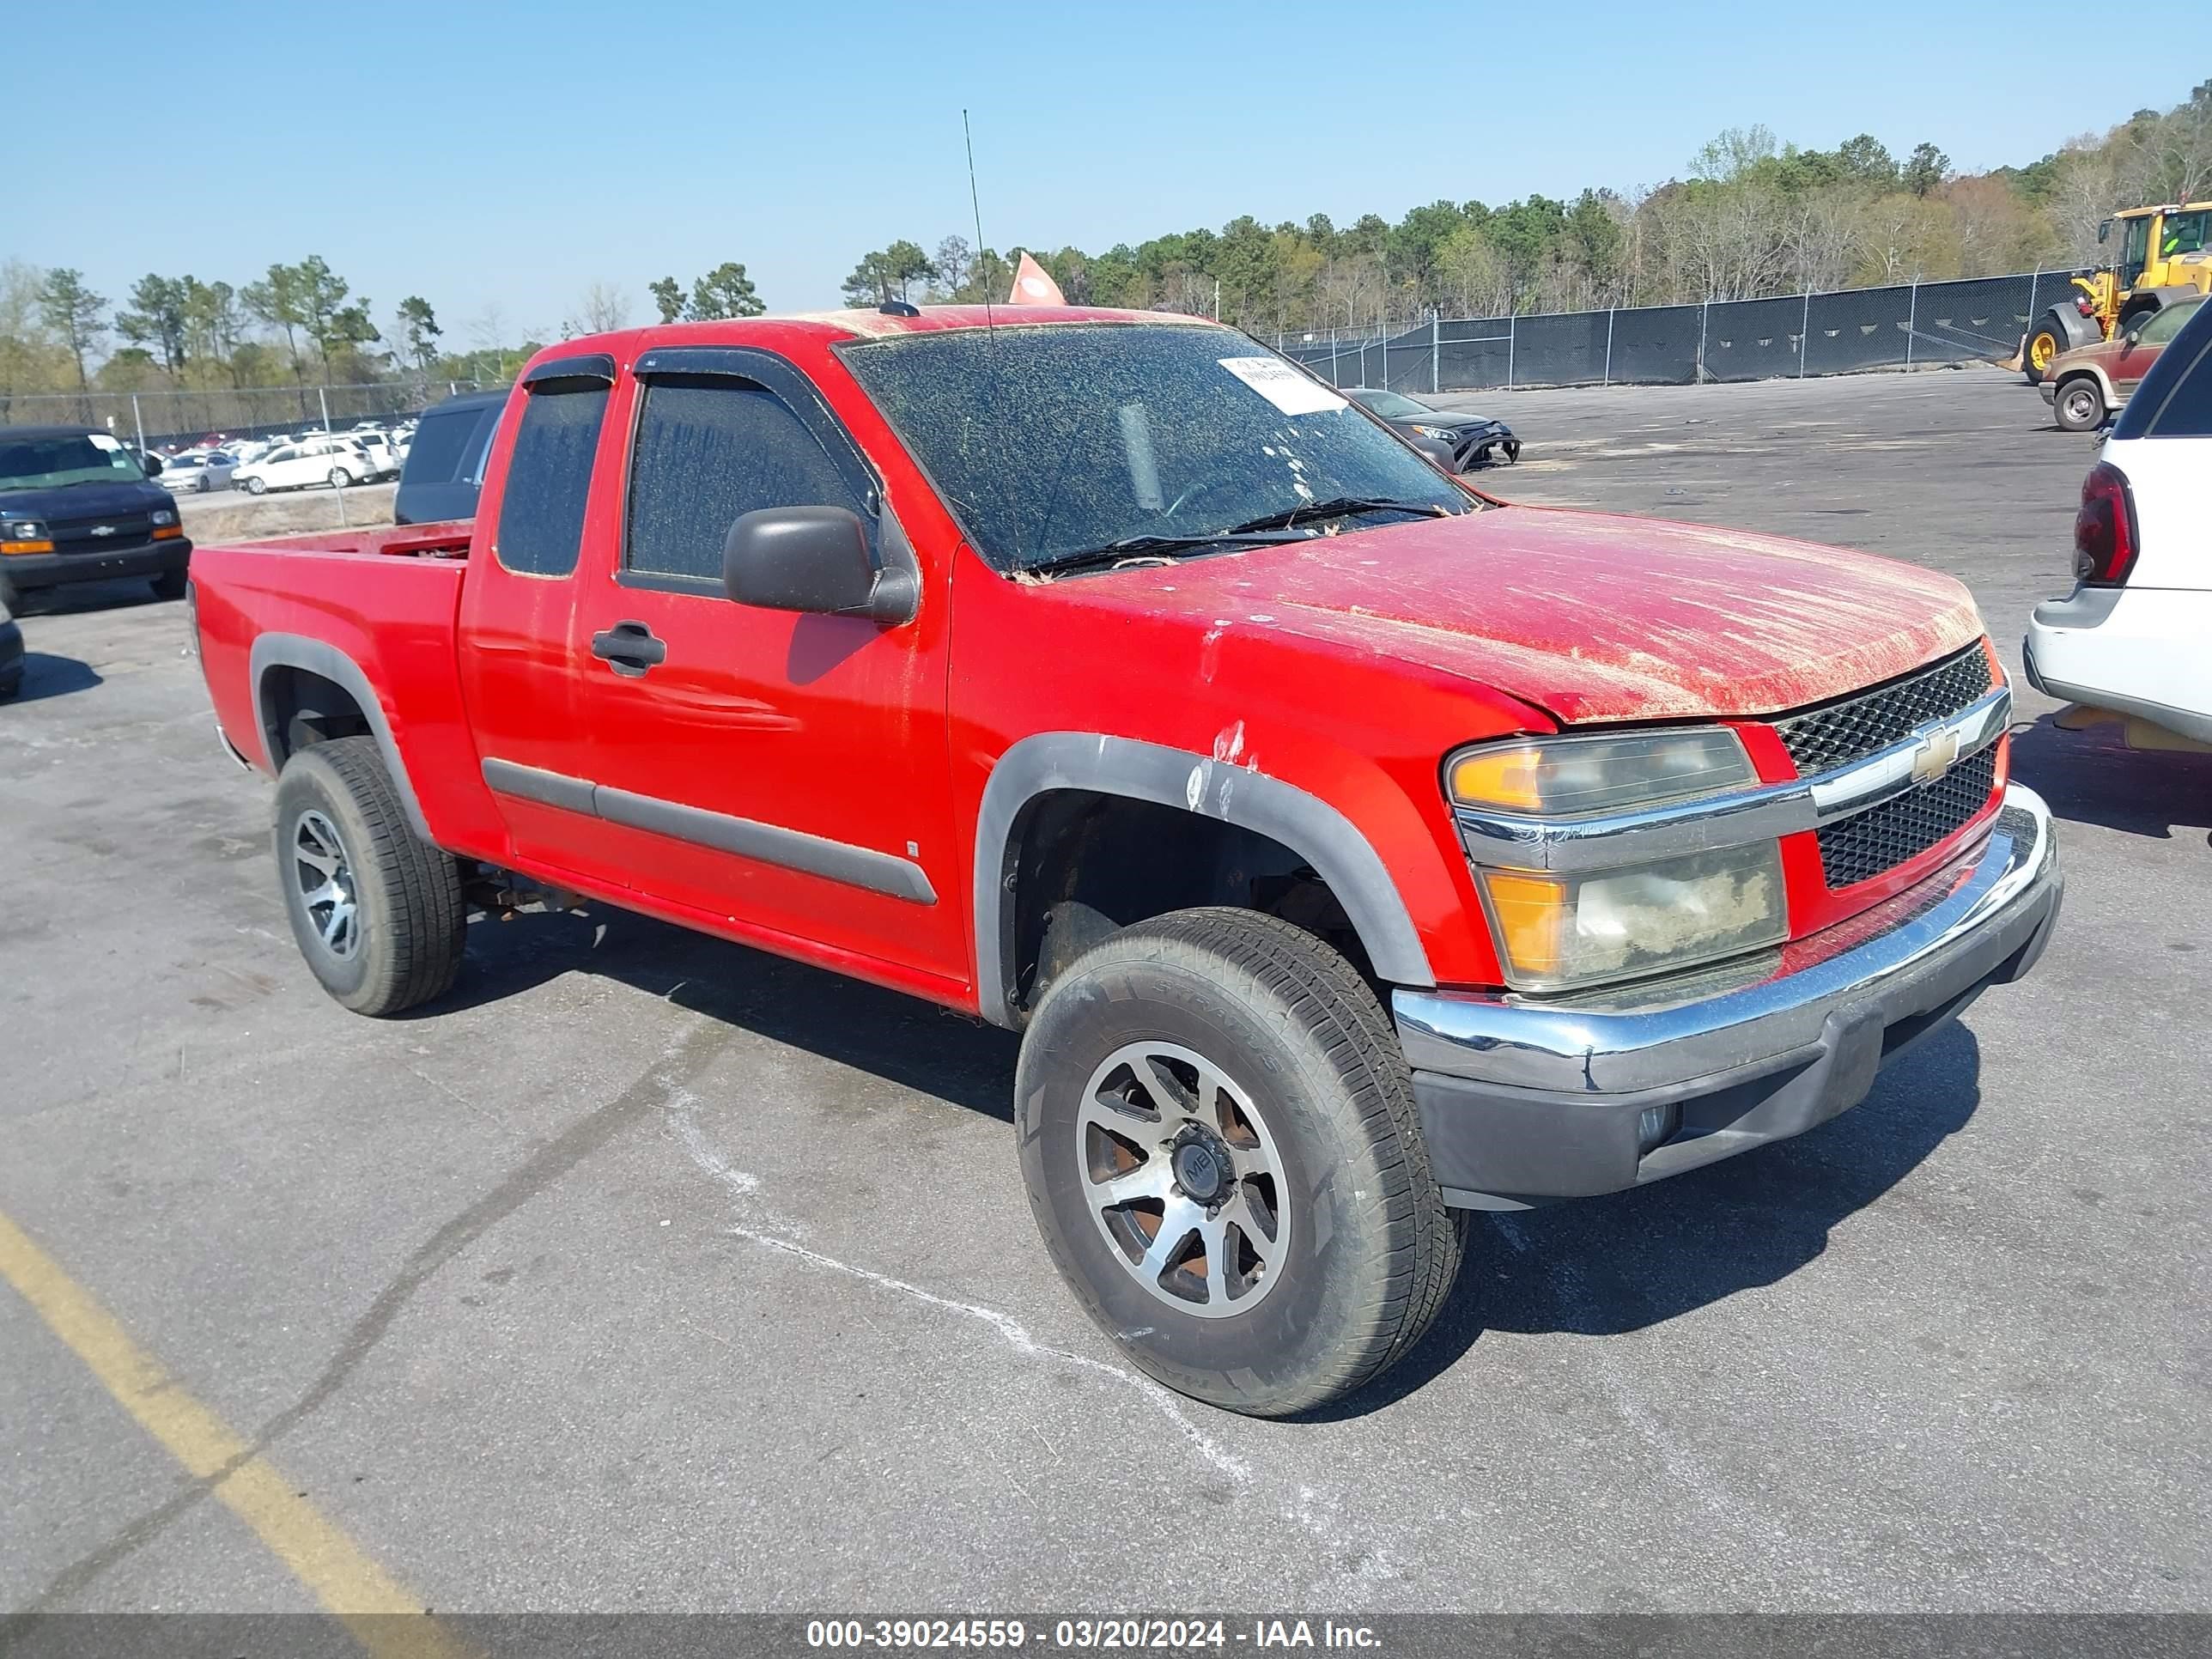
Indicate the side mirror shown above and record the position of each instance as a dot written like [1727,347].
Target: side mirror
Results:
[153,464]
[812,559]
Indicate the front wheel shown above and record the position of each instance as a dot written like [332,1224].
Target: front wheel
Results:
[2045,342]
[256,486]
[1218,1137]
[2079,404]
[378,913]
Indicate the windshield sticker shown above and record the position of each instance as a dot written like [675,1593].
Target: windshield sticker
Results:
[101,441]
[1283,385]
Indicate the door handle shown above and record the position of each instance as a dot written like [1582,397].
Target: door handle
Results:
[629,648]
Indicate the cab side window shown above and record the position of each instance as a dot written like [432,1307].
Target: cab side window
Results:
[541,511]
[709,450]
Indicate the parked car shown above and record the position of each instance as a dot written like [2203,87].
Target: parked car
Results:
[445,462]
[11,650]
[1458,443]
[2129,643]
[385,456]
[1347,847]
[2088,386]
[198,472]
[78,505]
[336,462]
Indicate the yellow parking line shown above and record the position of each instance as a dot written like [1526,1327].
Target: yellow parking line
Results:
[340,1573]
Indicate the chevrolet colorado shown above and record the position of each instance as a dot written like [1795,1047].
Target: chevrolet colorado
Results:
[1352,850]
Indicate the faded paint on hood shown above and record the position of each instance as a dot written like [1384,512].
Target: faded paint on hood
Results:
[1591,617]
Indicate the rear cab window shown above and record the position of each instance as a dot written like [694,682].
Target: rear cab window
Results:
[548,477]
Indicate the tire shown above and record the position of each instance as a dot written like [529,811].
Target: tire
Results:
[2045,342]
[256,486]
[10,684]
[2079,404]
[170,584]
[338,477]
[399,942]
[1322,1142]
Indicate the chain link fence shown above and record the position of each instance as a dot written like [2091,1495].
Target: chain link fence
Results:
[1849,332]
[163,420]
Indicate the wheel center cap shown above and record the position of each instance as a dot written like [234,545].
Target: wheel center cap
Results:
[1200,1170]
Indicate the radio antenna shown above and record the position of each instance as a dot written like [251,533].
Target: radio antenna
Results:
[990,327]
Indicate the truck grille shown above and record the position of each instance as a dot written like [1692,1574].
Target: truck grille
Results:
[1883,837]
[1822,739]
[124,530]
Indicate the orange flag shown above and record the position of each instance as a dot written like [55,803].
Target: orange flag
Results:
[1033,286]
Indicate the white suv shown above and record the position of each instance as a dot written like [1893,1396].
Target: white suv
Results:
[2129,643]
[335,461]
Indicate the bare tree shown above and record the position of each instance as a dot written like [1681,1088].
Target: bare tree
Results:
[602,309]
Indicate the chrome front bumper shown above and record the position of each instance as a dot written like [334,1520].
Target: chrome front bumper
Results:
[1526,1099]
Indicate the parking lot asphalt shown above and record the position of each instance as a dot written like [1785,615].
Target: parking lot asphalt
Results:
[648,1271]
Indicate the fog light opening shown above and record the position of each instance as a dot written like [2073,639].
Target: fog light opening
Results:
[1656,1125]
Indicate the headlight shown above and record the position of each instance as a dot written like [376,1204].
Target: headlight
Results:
[24,529]
[1565,777]
[1444,432]
[162,515]
[1556,931]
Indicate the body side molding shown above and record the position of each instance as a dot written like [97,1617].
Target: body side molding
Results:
[768,843]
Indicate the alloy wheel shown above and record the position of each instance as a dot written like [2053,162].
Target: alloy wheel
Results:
[1180,1174]
[324,879]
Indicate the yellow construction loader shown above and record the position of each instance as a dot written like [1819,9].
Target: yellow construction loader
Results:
[2164,255]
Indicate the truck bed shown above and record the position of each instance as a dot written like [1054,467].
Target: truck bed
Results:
[385,601]
[446,540]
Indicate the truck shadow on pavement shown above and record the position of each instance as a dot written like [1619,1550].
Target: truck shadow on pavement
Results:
[1599,1267]
[1604,1267]
[48,675]
[898,1038]
[2093,777]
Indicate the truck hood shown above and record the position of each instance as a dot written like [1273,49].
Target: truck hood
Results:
[1591,617]
[86,501]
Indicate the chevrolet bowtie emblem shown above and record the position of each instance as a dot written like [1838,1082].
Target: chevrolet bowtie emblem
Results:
[103,530]
[1933,758]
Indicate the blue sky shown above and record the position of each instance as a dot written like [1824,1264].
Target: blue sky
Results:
[481,155]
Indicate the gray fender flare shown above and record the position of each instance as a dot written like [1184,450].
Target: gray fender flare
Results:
[316,657]
[1310,826]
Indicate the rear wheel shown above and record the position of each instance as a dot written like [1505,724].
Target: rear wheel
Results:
[339,477]
[1218,1137]
[2079,404]
[378,913]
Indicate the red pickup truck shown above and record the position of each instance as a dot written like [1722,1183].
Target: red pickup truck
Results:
[1352,850]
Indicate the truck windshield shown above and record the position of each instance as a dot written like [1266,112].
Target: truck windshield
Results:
[71,459]
[1049,442]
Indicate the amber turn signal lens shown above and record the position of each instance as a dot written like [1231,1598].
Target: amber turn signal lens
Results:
[1530,911]
[163,532]
[1500,777]
[26,547]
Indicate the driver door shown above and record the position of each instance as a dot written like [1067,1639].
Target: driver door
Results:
[783,774]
